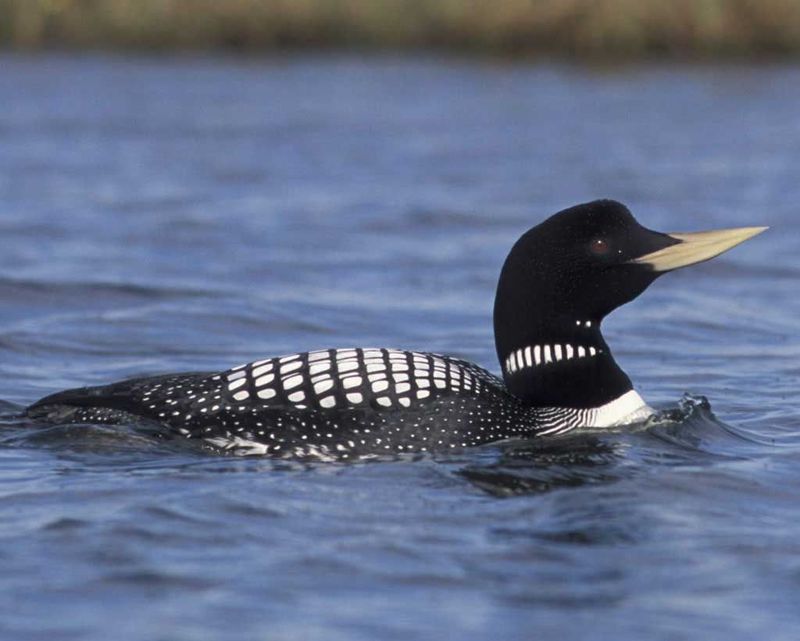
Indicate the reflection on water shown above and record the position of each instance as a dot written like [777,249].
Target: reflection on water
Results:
[193,214]
[570,461]
[692,434]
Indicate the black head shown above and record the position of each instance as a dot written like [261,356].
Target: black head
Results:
[563,277]
[578,262]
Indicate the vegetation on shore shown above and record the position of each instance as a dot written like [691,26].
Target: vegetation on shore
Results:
[580,28]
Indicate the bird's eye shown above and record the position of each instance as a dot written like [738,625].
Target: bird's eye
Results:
[599,247]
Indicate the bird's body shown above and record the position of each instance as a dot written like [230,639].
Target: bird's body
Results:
[339,403]
[558,283]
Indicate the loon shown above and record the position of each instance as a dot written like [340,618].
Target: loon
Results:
[558,283]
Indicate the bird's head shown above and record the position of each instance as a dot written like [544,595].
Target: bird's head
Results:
[563,276]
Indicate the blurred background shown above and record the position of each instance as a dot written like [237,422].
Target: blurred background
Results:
[193,184]
[581,28]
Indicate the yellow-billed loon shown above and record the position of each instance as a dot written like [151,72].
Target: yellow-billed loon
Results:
[560,280]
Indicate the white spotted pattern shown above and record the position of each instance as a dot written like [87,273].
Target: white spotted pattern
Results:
[355,378]
[340,410]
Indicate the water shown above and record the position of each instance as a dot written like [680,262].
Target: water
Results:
[168,215]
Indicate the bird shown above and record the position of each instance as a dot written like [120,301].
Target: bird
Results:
[558,283]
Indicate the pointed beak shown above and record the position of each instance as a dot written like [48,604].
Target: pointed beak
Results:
[696,247]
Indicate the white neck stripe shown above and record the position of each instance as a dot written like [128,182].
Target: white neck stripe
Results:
[535,355]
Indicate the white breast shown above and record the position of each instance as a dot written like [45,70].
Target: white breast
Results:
[628,408]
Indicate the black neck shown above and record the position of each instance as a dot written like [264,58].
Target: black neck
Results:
[575,366]
[535,318]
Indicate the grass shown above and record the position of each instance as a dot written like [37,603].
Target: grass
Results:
[574,28]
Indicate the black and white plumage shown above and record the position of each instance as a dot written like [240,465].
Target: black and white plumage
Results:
[342,403]
[559,281]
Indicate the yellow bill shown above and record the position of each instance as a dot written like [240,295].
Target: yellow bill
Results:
[696,247]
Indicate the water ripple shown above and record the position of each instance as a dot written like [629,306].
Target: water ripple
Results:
[168,215]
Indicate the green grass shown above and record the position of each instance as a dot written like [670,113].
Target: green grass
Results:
[580,28]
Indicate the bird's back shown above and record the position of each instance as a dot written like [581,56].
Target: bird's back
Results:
[338,403]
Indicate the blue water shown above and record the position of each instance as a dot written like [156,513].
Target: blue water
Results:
[159,215]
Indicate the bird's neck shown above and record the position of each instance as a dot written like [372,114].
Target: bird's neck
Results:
[562,363]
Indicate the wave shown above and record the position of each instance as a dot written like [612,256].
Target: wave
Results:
[688,433]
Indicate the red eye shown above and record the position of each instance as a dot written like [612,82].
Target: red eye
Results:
[599,246]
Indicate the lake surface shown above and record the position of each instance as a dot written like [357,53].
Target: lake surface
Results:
[192,214]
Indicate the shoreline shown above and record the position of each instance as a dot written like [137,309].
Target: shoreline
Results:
[568,30]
